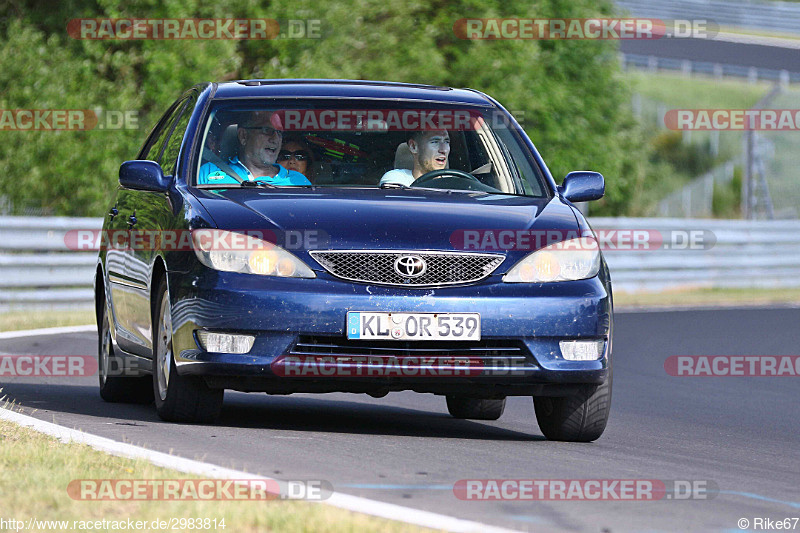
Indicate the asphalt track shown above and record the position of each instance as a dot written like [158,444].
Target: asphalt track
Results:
[740,433]
[731,53]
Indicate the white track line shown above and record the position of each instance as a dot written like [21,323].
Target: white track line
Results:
[47,331]
[343,501]
[762,40]
[733,306]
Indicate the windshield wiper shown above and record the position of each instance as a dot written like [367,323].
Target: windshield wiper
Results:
[243,185]
[390,185]
[258,183]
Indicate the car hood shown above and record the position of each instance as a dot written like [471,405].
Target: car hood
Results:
[381,219]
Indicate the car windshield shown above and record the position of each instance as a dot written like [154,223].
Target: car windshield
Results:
[357,144]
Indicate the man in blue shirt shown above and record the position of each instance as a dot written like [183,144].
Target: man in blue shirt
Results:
[260,142]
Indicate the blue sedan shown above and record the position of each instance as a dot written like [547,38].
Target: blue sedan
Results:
[286,236]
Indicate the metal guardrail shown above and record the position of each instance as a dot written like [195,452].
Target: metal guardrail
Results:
[745,254]
[781,17]
[38,270]
[719,70]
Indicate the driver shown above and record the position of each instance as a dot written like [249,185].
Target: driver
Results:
[430,150]
[260,140]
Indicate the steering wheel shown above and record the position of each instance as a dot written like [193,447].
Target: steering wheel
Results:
[432,175]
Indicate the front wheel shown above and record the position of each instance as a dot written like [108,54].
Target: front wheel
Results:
[581,417]
[178,398]
[114,386]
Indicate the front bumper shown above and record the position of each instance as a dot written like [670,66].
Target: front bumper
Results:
[281,313]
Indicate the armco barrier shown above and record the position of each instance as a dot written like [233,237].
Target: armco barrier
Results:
[36,267]
[38,270]
[746,254]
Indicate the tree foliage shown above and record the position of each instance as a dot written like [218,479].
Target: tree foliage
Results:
[568,95]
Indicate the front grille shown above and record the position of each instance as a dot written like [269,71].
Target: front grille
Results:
[378,267]
[509,352]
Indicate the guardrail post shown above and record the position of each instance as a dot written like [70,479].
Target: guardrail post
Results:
[652,63]
[784,78]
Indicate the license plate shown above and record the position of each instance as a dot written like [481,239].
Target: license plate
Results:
[414,326]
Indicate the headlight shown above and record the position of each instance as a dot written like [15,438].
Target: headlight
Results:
[237,252]
[563,261]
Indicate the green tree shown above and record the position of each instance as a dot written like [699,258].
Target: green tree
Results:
[569,95]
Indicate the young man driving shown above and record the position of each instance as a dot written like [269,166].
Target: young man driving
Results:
[430,150]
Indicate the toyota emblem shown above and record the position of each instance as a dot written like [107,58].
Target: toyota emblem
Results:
[410,266]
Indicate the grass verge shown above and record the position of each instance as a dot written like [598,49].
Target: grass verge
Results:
[708,297]
[697,92]
[27,319]
[36,470]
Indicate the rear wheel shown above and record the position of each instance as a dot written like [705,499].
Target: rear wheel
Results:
[581,417]
[114,387]
[475,408]
[178,398]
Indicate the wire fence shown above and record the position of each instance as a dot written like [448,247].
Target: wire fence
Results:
[696,200]
[769,159]
[781,160]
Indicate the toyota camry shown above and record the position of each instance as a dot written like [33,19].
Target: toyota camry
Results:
[314,236]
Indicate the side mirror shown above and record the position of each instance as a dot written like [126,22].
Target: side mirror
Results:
[583,186]
[143,176]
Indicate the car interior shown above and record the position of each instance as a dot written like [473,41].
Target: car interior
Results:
[361,158]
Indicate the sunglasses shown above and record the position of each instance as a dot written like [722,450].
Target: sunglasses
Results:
[265,130]
[299,155]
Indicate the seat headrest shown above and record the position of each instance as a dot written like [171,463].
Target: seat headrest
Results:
[403,157]
[229,143]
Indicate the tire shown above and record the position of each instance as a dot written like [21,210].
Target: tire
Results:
[117,389]
[578,418]
[475,408]
[178,398]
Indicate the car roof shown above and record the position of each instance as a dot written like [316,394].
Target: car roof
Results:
[378,90]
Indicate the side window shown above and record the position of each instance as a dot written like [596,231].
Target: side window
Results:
[172,147]
[155,142]
[531,184]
